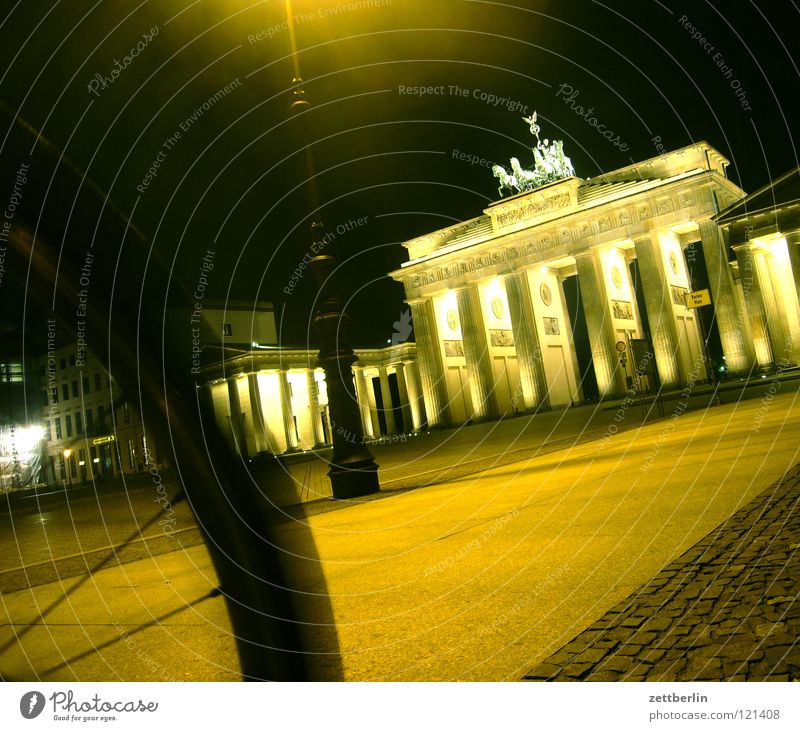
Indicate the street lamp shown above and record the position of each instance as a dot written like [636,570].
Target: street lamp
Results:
[353,471]
[67,453]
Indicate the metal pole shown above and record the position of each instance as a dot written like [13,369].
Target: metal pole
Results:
[353,471]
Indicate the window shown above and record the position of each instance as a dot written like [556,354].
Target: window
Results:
[72,359]
[98,382]
[126,412]
[89,421]
[68,422]
[44,397]
[78,422]
[42,371]
[227,329]
[54,394]
[11,372]
[131,454]
[59,435]
[101,417]
[63,364]
[74,389]
[49,431]
[65,391]
[85,383]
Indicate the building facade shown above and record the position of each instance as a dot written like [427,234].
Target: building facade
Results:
[492,328]
[89,432]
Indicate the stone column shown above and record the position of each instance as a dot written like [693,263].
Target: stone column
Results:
[289,430]
[658,302]
[405,405]
[237,424]
[610,377]
[364,402]
[735,343]
[257,414]
[414,394]
[526,341]
[476,353]
[776,308]
[386,397]
[429,359]
[313,407]
[793,245]
[754,304]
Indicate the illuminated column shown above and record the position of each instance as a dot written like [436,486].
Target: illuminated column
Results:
[415,400]
[237,424]
[476,352]
[734,341]
[386,397]
[526,340]
[658,302]
[364,402]
[257,414]
[754,304]
[429,359]
[610,378]
[793,244]
[289,430]
[783,287]
[313,406]
[405,405]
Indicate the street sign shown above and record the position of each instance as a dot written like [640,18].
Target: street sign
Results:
[700,298]
[104,440]
[620,346]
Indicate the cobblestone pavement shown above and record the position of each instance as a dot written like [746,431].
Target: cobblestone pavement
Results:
[727,609]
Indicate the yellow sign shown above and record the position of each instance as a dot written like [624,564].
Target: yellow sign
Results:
[700,298]
[104,440]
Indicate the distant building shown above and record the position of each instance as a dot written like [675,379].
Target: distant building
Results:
[20,429]
[89,432]
[273,399]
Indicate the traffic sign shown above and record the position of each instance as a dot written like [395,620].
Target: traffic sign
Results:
[620,346]
[700,298]
[104,440]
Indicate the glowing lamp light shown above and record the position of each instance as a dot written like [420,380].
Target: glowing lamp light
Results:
[96,460]
[67,453]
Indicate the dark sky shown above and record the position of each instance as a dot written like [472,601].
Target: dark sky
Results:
[234,181]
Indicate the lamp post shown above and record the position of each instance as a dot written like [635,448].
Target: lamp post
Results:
[353,471]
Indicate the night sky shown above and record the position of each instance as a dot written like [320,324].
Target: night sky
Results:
[388,158]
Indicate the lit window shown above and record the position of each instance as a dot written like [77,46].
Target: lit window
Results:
[131,454]
[227,329]
[59,435]
[10,372]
